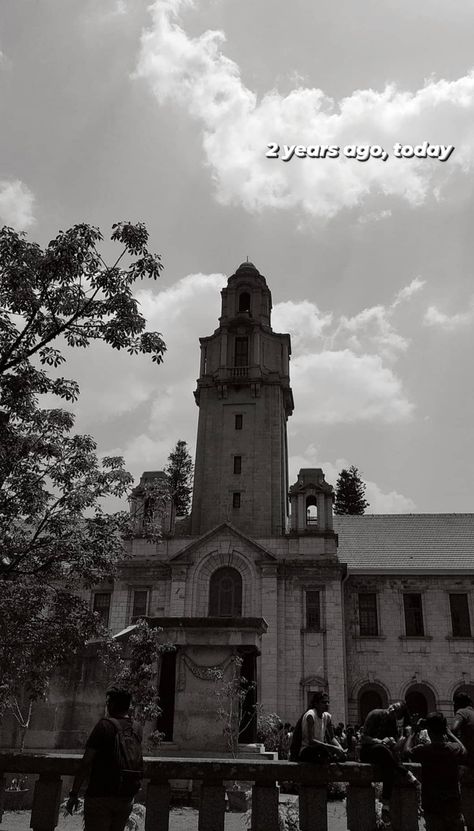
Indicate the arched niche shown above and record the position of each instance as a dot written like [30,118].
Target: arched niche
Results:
[244,301]
[370,697]
[225,593]
[420,700]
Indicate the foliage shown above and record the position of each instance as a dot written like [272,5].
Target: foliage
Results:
[179,472]
[288,817]
[230,697]
[269,727]
[54,536]
[132,665]
[350,493]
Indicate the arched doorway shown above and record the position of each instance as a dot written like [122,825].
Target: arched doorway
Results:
[420,700]
[311,511]
[466,689]
[225,593]
[371,697]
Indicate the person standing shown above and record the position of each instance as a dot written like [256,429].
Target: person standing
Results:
[440,760]
[113,764]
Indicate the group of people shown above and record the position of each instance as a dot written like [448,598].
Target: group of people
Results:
[389,737]
[113,761]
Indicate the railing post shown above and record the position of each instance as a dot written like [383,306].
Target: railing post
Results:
[212,807]
[313,804]
[467,803]
[360,807]
[2,794]
[404,807]
[46,800]
[264,807]
[157,816]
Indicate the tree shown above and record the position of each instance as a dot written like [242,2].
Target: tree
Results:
[350,493]
[55,539]
[133,665]
[180,476]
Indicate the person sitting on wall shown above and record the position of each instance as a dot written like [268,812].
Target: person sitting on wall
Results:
[313,737]
[440,759]
[379,743]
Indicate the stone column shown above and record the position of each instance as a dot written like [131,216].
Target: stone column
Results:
[157,816]
[178,591]
[269,658]
[212,807]
[46,800]
[360,807]
[335,650]
[264,808]
[313,808]
[404,807]
[301,512]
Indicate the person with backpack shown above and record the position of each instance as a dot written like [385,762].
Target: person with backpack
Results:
[113,764]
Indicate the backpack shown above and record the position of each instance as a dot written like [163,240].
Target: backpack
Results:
[127,757]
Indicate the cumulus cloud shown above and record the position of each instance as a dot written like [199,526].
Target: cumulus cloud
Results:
[379,501]
[434,317]
[342,387]
[236,126]
[16,204]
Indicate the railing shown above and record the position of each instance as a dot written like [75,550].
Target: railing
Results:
[238,371]
[312,781]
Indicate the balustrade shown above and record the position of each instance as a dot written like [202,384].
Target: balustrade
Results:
[312,781]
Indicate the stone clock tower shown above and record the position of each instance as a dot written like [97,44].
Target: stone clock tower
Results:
[244,398]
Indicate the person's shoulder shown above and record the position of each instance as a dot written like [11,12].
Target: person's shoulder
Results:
[455,749]
[103,729]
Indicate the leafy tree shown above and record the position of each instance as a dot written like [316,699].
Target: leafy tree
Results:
[132,665]
[54,536]
[350,493]
[231,697]
[179,472]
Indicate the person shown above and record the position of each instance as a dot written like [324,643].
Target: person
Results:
[463,727]
[379,743]
[107,803]
[313,737]
[440,760]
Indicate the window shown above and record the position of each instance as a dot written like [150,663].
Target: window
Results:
[139,604]
[244,302]
[102,606]
[368,622]
[460,615]
[313,610]
[241,355]
[413,615]
[236,500]
[225,593]
[239,421]
[237,464]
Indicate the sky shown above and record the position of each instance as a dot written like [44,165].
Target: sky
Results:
[180,114]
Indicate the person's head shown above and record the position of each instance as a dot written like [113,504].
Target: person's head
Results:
[398,709]
[320,702]
[461,700]
[118,701]
[436,726]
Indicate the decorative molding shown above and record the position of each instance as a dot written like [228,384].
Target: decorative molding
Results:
[206,672]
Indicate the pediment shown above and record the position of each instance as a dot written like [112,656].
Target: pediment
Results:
[225,538]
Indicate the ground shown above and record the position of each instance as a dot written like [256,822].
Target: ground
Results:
[182,819]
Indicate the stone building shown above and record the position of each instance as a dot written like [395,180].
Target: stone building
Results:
[370,608]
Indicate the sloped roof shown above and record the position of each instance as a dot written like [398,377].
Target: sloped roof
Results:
[394,543]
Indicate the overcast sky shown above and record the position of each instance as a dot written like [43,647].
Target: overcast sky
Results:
[116,109]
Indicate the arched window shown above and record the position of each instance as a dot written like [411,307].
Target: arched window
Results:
[467,689]
[420,700]
[225,593]
[244,302]
[371,698]
[311,511]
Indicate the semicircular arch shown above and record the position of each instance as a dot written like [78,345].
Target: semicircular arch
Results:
[201,579]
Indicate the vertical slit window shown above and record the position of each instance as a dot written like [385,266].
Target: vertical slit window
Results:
[237,464]
[313,610]
[241,355]
[368,622]
[236,500]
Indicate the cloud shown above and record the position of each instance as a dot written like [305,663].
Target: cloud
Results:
[341,387]
[16,204]
[379,502]
[237,126]
[434,317]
